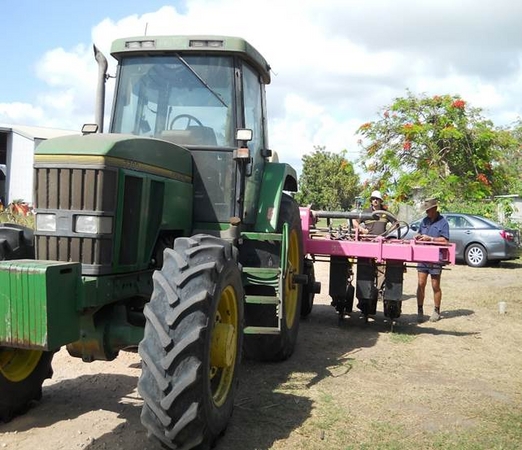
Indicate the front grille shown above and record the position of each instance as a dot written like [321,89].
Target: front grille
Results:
[75,189]
[66,192]
[88,251]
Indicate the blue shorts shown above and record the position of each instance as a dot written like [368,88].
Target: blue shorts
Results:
[432,269]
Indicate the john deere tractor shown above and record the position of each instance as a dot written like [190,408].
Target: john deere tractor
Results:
[173,233]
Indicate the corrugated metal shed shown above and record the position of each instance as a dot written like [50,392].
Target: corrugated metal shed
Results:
[33,133]
[17,145]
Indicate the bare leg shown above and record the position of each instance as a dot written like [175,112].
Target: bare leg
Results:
[437,297]
[421,288]
[437,291]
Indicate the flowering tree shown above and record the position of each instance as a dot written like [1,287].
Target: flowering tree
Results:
[328,181]
[438,144]
[512,159]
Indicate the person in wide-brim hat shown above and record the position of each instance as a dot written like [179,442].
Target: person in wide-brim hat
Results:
[433,228]
[431,203]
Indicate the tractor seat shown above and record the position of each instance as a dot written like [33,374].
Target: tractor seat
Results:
[193,135]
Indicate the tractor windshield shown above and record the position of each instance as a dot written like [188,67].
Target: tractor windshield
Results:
[187,100]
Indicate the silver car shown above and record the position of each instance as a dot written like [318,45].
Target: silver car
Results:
[478,240]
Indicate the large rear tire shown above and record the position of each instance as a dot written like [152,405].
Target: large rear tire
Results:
[22,372]
[266,347]
[192,342]
[16,242]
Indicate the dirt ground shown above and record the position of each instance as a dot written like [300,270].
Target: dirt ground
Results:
[350,384]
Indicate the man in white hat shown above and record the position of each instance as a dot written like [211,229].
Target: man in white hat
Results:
[433,228]
[373,227]
[377,226]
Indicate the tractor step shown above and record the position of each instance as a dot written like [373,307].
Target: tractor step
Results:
[262,236]
[263,276]
[263,272]
[261,330]
[262,299]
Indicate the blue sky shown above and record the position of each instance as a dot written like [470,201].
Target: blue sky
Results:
[336,63]
[32,27]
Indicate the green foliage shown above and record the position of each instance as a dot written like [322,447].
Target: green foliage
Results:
[17,212]
[441,146]
[7,216]
[328,181]
[512,158]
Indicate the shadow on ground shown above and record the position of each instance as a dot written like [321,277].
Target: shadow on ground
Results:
[267,409]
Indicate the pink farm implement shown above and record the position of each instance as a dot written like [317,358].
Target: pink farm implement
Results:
[380,262]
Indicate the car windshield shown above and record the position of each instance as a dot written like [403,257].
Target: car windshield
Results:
[189,99]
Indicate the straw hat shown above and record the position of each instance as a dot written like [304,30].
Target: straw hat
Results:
[430,203]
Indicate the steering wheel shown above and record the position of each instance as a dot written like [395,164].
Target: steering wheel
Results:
[189,118]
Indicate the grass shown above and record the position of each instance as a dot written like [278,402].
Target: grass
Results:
[500,430]
[401,337]
[331,428]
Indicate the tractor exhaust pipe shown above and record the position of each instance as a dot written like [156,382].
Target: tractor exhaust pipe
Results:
[100,89]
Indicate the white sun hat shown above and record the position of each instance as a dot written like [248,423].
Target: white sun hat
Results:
[376,194]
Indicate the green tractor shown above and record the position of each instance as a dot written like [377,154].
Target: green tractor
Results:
[173,233]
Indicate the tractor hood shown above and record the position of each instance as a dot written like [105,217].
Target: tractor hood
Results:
[125,151]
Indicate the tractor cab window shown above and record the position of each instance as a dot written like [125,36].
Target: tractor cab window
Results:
[253,107]
[187,100]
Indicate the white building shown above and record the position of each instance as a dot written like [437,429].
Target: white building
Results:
[17,145]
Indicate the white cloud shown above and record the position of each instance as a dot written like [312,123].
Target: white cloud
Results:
[17,113]
[335,63]
[60,68]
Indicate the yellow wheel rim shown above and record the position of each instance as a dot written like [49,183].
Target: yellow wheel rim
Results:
[17,364]
[291,289]
[223,351]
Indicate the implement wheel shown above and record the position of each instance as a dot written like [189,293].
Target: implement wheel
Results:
[279,347]
[308,292]
[191,347]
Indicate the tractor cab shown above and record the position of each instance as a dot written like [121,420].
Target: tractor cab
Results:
[198,93]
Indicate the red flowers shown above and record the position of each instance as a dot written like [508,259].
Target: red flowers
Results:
[407,145]
[483,179]
[19,207]
[459,104]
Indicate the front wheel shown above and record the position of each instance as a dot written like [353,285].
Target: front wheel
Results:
[22,373]
[191,347]
[476,256]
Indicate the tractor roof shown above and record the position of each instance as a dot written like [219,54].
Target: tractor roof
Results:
[191,44]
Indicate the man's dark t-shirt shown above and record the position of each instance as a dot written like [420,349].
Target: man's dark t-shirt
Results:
[375,226]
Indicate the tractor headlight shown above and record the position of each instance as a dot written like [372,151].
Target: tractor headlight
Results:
[45,222]
[93,224]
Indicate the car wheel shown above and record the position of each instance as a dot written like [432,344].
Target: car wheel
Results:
[476,256]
